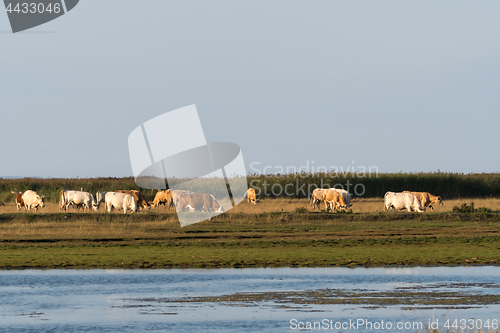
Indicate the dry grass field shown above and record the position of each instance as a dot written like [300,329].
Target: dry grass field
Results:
[373,205]
[271,233]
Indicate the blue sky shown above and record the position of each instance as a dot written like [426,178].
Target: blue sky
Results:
[404,86]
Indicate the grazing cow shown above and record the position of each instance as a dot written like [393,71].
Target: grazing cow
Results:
[200,202]
[120,201]
[346,195]
[177,193]
[163,198]
[333,199]
[426,199]
[32,200]
[400,201]
[78,199]
[19,200]
[251,196]
[139,198]
[317,197]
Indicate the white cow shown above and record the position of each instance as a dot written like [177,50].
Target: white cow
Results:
[120,201]
[400,201]
[77,198]
[32,200]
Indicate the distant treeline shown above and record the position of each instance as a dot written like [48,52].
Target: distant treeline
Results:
[447,185]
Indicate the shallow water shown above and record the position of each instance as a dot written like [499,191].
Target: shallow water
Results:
[247,300]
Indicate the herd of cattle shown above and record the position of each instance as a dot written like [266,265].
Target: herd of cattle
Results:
[336,199]
[185,201]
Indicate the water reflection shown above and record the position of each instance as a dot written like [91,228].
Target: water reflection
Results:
[243,300]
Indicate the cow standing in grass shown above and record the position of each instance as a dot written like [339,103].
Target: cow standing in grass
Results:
[426,199]
[139,198]
[77,199]
[32,200]
[400,201]
[251,196]
[333,199]
[163,198]
[317,197]
[120,201]
[19,200]
[345,195]
[197,202]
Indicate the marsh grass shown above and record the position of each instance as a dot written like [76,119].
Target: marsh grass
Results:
[270,233]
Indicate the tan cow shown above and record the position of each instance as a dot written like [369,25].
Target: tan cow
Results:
[139,198]
[163,198]
[251,196]
[317,197]
[33,200]
[197,202]
[333,199]
[426,199]
[19,200]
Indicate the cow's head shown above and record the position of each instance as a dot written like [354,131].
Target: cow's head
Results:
[40,201]
[342,202]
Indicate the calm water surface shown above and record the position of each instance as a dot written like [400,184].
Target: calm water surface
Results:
[246,300]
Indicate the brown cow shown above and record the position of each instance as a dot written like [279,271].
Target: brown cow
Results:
[19,200]
[251,196]
[426,199]
[139,198]
[333,199]
[163,198]
[197,202]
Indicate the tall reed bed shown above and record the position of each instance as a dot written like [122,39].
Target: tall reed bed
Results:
[298,185]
